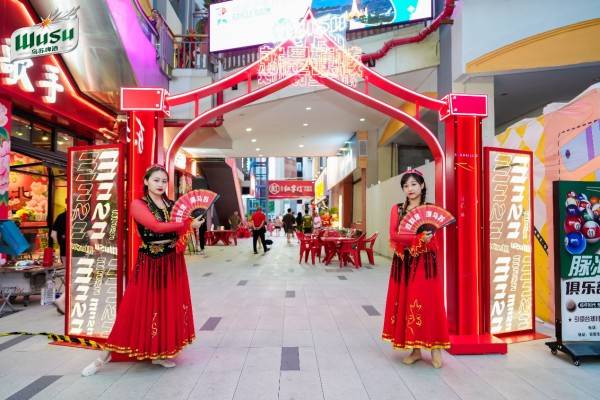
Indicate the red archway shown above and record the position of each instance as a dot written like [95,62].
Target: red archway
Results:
[457,166]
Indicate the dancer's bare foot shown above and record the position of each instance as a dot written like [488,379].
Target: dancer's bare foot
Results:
[436,358]
[413,357]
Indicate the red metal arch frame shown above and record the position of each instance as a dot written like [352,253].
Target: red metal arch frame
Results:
[459,167]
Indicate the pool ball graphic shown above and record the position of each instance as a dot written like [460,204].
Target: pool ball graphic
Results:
[573,224]
[572,194]
[571,305]
[587,214]
[571,201]
[582,197]
[573,210]
[594,200]
[591,231]
[583,204]
[596,211]
[575,243]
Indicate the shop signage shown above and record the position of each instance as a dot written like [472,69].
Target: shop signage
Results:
[291,189]
[94,233]
[58,33]
[509,235]
[320,186]
[577,259]
[16,73]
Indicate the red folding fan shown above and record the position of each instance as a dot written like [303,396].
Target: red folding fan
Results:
[192,204]
[427,217]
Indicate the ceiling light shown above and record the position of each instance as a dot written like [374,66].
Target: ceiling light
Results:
[248,129]
[59,143]
[308,108]
[300,145]
[20,133]
[65,138]
[253,140]
[258,149]
[305,124]
[362,120]
[44,137]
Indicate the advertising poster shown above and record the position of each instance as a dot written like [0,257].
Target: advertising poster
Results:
[577,259]
[509,237]
[94,239]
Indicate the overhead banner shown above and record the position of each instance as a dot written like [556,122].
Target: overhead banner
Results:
[244,23]
[94,239]
[577,259]
[291,189]
[509,236]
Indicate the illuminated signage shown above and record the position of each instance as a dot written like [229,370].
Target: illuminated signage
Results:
[509,232]
[291,189]
[94,239]
[243,23]
[58,33]
[180,160]
[320,187]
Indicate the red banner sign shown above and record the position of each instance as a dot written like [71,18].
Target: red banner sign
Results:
[291,189]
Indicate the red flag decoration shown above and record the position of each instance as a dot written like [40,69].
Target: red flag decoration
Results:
[291,189]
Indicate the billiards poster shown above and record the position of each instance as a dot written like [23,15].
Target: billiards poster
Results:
[577,259]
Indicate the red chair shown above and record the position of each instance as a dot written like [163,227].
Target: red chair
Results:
[305,246]
[367,245]
[348,251]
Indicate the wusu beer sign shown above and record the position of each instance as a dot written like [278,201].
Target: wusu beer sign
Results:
[57,33]
[291,189]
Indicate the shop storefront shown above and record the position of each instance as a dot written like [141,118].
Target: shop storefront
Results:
[43,114]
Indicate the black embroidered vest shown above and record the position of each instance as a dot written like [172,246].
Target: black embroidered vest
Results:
[148,236]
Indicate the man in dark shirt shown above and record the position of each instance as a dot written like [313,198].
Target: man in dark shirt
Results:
[288,224]
[259,220]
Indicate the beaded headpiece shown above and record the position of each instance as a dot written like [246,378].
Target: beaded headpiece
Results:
[413,171]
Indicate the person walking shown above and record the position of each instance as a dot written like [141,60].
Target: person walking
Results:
[288,224]
[59,235]
[235,220]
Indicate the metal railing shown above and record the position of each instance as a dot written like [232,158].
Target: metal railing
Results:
[191,51]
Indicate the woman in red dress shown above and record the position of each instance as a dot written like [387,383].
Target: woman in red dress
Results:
[415,316]
[154,320]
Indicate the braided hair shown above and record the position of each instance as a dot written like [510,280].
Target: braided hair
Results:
[420,180]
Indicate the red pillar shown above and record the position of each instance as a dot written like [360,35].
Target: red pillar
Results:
[462,117]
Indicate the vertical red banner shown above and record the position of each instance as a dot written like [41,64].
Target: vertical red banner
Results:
[5,120]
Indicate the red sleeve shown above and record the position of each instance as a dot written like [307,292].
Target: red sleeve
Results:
[141,214]
[404,239]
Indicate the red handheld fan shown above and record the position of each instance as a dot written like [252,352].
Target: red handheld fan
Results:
[193,204]
[425,218]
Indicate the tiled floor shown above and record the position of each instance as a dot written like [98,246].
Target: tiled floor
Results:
[269,328]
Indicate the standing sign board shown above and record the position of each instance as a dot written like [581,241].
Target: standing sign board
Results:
[577,268]
[509,242]
[94,239]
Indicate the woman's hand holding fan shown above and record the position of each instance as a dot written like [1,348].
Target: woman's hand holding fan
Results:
[191,207]
[425,218]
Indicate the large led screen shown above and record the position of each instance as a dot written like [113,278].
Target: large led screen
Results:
[244,23]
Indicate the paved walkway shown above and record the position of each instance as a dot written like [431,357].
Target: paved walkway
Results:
[269,328]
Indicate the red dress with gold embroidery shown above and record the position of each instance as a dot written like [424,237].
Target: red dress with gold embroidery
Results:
[415,316]
[154,319]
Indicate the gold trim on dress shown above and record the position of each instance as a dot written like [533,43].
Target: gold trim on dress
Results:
[417,344]
[143,355]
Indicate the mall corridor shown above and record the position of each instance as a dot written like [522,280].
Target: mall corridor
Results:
[270,328]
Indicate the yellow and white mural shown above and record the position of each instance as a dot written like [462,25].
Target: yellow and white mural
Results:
[565,142]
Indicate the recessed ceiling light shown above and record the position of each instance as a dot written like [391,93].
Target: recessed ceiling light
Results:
[20,133]
[308,108]
[258,149]
[59,143]
[362,120]
[248,129]
[300,145]
[253,140]
[305,124]
[44,137]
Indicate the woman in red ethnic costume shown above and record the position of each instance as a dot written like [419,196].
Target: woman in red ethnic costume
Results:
[415,316]
[154,320]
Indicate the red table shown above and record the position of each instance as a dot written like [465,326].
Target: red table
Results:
[332,244]
[225,236]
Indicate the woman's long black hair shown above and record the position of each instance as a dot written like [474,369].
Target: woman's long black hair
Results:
[420,180]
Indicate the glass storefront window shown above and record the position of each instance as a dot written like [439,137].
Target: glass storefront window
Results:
[20,128]
[63,141]
[41,137]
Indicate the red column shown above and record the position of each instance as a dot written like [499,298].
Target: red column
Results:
[462,117]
